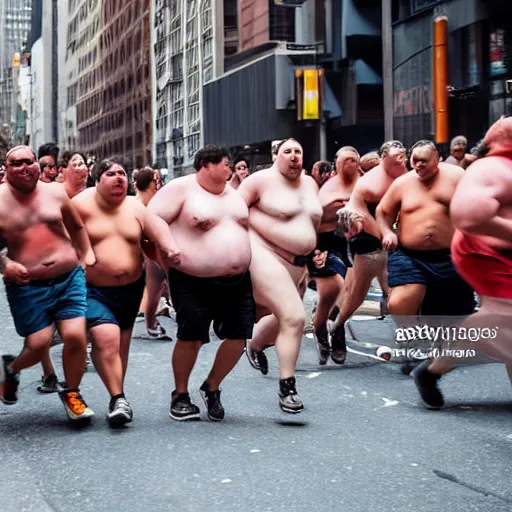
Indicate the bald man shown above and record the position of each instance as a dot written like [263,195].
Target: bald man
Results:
[458,155]
[284,216]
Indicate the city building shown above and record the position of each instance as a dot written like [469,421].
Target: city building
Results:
[329,51]
[188,38]
[78,56]
[113,112]
[479,63]
[15,16]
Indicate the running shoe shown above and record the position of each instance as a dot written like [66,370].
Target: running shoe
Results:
[75,406]
[158,333]
[338,345]
[322,345]
[120,414]
[182,408]
[48,384]
[9,381]
[426,382]
[289,399]
[212,401]
[257,359]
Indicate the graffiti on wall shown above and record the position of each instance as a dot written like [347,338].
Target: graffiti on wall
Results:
[413,101]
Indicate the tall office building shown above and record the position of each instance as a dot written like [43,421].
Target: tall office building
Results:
[14,28]
[114,92]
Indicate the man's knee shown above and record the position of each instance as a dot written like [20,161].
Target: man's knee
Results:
[295,320]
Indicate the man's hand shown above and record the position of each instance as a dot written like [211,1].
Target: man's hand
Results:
[173,257]
[14,271]
[89,260]
[320,258]
[389,241]
[351,223]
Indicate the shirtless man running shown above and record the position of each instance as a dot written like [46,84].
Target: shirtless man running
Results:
[284,217]
[334,195]
[421,274]
[116,225]
[209,221]
[365,251]
[44,276]
[481,211]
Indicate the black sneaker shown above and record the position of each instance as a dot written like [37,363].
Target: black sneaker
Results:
[322,344]
[183,409]
[120,414]
[289,399]
[426,382]
[338,345]
[212,402]
[48,384]
[9,381]
[257,359]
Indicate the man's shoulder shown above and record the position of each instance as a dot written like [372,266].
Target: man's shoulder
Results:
[85,196]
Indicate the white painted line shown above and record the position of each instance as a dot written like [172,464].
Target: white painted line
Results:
[226,481]
[389,403]
[313,375]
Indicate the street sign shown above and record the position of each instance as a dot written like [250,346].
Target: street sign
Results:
[289,3]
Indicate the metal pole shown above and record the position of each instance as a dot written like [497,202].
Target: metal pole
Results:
[387,67]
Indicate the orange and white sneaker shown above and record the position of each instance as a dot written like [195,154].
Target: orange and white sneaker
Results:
[76,408]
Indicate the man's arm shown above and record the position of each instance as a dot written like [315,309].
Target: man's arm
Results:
[387,213]
[476,202]
[157,230]
[169,200]
[76,229]
[249,190]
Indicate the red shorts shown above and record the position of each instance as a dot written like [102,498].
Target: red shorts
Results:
[486,270]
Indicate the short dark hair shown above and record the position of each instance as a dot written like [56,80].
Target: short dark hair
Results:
[48,149]
[144,178]
[324,167]
[241,158]
[424,143]
[210,154]
[73,153]
[103,167]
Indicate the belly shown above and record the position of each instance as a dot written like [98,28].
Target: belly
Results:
[425,229]
[297,235]
[43,252]
[118,262]
[224,250]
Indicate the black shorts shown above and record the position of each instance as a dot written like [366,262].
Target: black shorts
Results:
[337,259]
[227,301]
[364,243]
[447,293]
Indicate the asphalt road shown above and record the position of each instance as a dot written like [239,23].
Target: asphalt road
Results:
[363,443]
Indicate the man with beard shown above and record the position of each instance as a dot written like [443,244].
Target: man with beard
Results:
[208,219]
[334,195]
[44,276]
[481,211]
[365,251]
[284,216]
[421,274]
[116,224]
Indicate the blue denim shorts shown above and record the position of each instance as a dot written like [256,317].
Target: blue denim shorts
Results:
[117,305]
[41,303]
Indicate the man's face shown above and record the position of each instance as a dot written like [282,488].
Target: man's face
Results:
[22,170]
[347,163]
[425,162]
[76,171]
[48,167]
[113,185]
[395,160]
[320,176]
[289,160]
[221,172]
[242,170]
[458,151]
